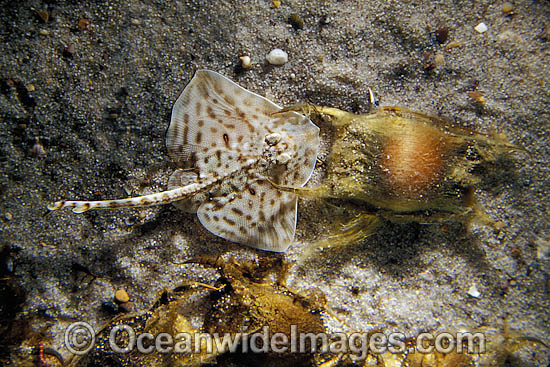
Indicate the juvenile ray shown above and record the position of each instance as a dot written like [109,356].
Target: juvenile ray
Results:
[233,148]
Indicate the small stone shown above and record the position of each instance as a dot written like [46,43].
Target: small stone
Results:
[277,57]
[477,97]
[473,292]
[453,44]
[31,88]
[507,7]
[8,216]
[439,60]
[83,24]
[121,296]
[69,51]
[426,275]
[130,221]
[135,21]
[38,150]
[500,225]
[246,62]
[276,4]
[44,32]
[481,28]
[126,307]
[441,35]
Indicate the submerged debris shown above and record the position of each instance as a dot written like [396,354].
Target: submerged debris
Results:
[248,318]
[242,302]
[296,22]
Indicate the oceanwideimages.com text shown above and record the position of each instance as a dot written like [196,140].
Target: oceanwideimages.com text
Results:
[80,339]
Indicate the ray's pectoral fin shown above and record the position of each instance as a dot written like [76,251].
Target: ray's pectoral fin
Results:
[259,216]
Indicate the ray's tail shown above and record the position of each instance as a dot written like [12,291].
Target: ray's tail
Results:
[164,197]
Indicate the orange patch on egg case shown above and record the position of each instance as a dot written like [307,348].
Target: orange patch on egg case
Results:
[414,161]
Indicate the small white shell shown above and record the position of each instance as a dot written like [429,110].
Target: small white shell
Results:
[246,62]
[472,291]
[277,57]
[481,28]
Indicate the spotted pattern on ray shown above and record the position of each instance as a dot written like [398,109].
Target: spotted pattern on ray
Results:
[243,132]
[215,114]
[233,146]
[259,216]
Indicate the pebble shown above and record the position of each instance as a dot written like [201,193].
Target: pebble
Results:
[453,44]
[439,59]
[277,57]
[8,216]
[503,285]
[472,291]
[481,28]
[38,149]
[246,62]
[477,96]
[507,7]
[276,3]
[83,24]
[69,50]
[126,307]
[44,32]
[121,296]
[130,221]
[441,35]
[135,21]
